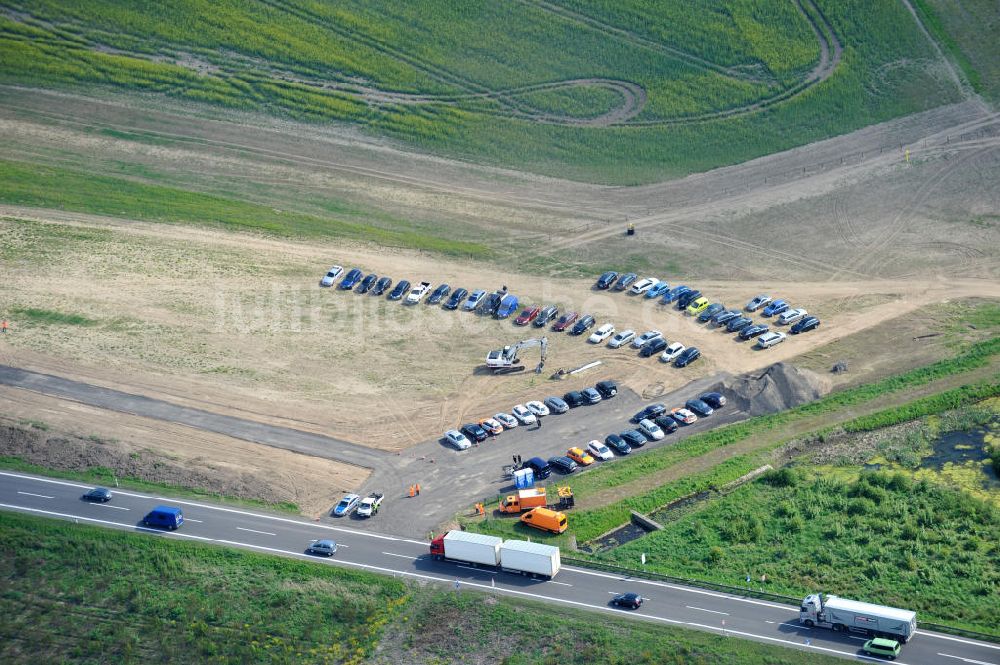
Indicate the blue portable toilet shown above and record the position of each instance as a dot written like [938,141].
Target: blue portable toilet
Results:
[524,479]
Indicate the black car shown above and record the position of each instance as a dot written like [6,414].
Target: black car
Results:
[607,279]
[738,324]
[574,398]
[546,315]
[351,279]
[475,432]
[438,294]
[652,347]
[651,411]
[625,281]
[666,423]
[456,299]
[752,331]
[608,389]
[634,438]
[714,400]
[722,318]
[631,600]
[401,289]
[381,285]
[99,494]
[805,325]
[539,467]
[688,298]
[583,325]
[618,444]
[367,283]
[491,303]
[689,356]
[701,408]
[562,464]
[710,311]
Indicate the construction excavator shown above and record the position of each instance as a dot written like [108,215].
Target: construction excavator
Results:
[506,360]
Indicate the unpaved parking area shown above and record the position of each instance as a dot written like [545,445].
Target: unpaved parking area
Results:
[236,324]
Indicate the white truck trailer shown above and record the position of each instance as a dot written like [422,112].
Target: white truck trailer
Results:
[532,559]
[515,556]
[845,615]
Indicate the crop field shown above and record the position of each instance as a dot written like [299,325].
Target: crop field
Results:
[675,88]
[877,535]
[133,598]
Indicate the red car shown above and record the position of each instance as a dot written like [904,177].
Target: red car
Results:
[527,316]
[565,321]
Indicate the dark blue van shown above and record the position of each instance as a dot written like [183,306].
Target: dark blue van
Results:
[164,517]
[540,467]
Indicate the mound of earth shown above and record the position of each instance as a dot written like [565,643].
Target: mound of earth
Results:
[779,387]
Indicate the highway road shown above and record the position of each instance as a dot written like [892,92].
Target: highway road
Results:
[669,604]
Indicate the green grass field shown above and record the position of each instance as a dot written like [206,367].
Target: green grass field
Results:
[957,27]
[421,73]
[80,594]
[877,536]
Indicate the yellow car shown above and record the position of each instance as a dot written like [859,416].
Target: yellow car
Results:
[580,457]
[698,306]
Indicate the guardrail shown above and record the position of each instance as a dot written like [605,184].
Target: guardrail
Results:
[750,592]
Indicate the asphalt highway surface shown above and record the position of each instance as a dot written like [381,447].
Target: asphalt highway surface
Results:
[669,604]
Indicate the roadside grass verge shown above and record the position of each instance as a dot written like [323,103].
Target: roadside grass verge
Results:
[877,536]
[67,189]
[106,477]
[81,594]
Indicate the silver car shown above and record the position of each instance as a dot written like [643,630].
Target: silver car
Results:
[457,440]
[322,548]
[330,276]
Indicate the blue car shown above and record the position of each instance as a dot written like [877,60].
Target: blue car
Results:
[674,293]
[507,306]
[457,296]
[625,281]
[351,279]
[346,505]
[776,307]
[607,279]
[474,299]
[400,290]
[658,290]
[439,293]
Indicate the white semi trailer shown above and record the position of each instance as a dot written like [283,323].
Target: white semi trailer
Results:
[515,556]
[851,615]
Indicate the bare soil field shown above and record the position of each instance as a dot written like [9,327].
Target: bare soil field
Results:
[236,323]
[77,437]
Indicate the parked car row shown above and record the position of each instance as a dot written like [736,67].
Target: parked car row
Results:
[798,318]
[653,423]
[527,414]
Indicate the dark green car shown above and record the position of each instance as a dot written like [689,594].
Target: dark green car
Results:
[882,647]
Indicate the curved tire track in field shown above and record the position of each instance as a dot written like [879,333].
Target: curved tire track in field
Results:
[634,96]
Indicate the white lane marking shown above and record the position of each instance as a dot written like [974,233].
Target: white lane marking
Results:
[188,519]
[965,660]
[401,556]
[266,533]
[958,639]
[562,583]
[467,567]
[107,505]
[219,508]
[702,609]
[638,580]
[766,621]
[515,592]
[97,521]
[40,496]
